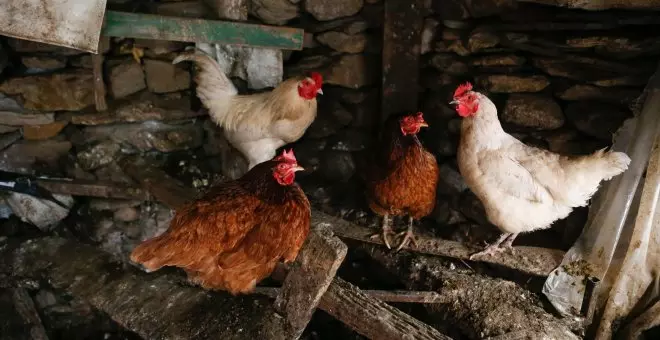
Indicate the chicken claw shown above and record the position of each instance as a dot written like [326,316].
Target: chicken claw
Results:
[409,236]
[495,247]
[387,230]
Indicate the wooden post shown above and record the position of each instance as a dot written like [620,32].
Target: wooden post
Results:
[402,37]
[99,85]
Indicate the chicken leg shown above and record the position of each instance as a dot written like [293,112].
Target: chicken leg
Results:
[387,230]
[409,235]
[496,247]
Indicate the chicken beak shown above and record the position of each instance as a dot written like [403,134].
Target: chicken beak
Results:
[319,91]
[453,102]
[297,168]
[424,124]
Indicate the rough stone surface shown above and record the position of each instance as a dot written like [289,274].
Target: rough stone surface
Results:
[45,131]
[126,78]
[28,46]
[349,140]
[68,91]
[261,68]
[324,10]
[352,71]
[337,165]
[274,12]
[43,63]
[24,154]
[596,119]
[480,40]
[343,42]
[98,155]
[147,136]
[42,213]
[533,111]
[428,34]
[498,60]
[164,77]
[449,64]
[509,83]
[590,92]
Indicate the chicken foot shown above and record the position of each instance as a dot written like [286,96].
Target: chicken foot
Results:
[387,230]
[409,235]
[497,247]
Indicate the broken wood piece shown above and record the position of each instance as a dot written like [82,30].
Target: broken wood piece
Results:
[402,37]
[20,119]
[371,317]
[8,139]
[26,309]
[99,85]
[389,296]
[93,189]
[153,305]
[529,260]
[309,277]
[147,26]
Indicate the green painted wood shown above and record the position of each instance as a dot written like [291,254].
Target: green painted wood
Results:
[148,26]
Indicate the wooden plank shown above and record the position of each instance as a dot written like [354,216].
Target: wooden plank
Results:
[93,189]
[26,309]
[311,274]
[402,37]
[154,305]
[393,296]
[371,317]
[99,85]
[147,26]
[529,260]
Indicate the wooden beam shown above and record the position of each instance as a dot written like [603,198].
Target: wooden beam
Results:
[99,85]
[402,37]
[154,305]
[311,274]
[148,26]
[94,189]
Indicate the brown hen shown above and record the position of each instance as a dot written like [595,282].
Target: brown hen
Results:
[403,177]
[234,236]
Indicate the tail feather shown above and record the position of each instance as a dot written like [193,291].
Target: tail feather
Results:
[612,163]
[213,86]
[151,254]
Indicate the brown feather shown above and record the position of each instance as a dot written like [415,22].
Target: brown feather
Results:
[232,237]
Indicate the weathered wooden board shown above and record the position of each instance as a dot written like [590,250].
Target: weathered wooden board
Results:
[148,26]
[402,37]
[93,189]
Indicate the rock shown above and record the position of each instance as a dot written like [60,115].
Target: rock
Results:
[352,71]
[42,213]
[533,111]
[126,214]
[437,107]
[451,182]
[596,119]
[9,139]
[444,144]
[158,47]
[44,63]
[324,10]
[98,155]
[349,140]
[501,83]
[592,70]
[104,204]
[148,136]
[568,142]
[480,39]
[454,126]
[163,77]
[6,128]
[343,42]
[356,27]
[334,110]
[337,165]
[452,46]
[126,78]
[261,68]
[308,153]
[28,46]
[39,132]
[274,12]
[307,64]
[68,91]
[629,80]
[588,92]
[498,60]
[428,34]
[618,47]
[23,119]
[113,173]
[232,163]
[449,63]
[147,106]
[24,154]
[322,127]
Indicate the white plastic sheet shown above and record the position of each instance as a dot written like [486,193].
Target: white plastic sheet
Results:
[69,23]
[620,243]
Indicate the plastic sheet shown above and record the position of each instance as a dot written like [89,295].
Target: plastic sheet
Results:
[619,246]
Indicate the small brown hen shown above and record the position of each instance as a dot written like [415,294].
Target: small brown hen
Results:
[234,236]
[403,178]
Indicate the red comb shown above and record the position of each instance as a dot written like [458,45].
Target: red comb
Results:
[420,115]
[287,157]
[462,89]
[317,77]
